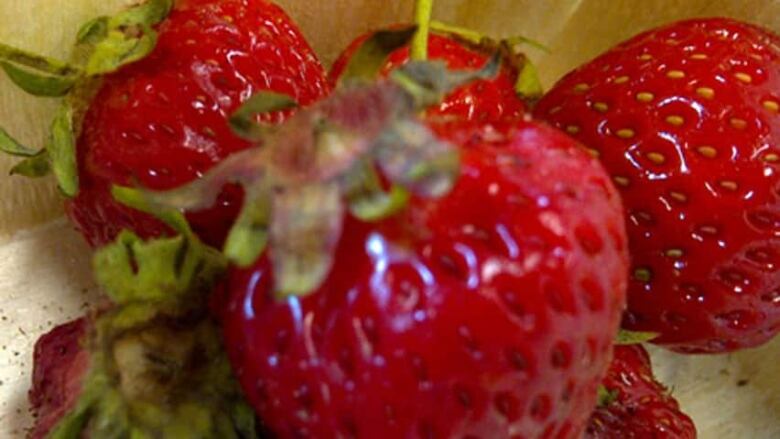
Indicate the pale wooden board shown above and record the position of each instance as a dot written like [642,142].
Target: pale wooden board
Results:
[44,269]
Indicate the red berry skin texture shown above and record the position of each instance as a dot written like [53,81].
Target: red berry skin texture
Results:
[487,313]
[685,118]
[484,100]
[162,122]
[60,364]
[642,407]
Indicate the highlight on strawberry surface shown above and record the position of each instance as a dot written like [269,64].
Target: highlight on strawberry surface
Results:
[401,246]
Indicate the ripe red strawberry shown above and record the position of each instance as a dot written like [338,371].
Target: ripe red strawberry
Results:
[635,405]
[486,99]
[487,313]
[685,119]
[60,363]
[161,122]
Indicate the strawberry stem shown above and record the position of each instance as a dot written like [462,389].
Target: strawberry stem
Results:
[422,17]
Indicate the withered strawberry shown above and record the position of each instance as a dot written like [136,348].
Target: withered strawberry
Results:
[60,363]
[152,363]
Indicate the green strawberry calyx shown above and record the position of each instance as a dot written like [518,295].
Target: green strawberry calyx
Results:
[626,337]
[103,45]
[606,397]
[157,365]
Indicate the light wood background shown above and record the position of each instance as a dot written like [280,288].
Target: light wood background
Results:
[44,275]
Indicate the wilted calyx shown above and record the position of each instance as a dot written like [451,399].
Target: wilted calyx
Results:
[325,159]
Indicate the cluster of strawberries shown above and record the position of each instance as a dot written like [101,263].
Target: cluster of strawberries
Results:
[640,190]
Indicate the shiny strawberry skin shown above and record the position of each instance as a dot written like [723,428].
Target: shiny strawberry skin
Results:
[162,122]
[488,313]
[685,118]
[481,100]
[642,408]
[60,364]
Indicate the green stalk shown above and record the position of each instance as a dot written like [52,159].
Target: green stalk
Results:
[422,16]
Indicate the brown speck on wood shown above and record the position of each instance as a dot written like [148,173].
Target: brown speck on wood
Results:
[742,383]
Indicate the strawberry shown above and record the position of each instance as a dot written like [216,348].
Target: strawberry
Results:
[685,119]
[162,121]
[60,362]
[372,297]
[488,312]
[634,405]
[486,99]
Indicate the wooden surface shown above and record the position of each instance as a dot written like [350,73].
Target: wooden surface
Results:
[44,266]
